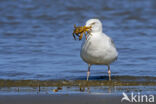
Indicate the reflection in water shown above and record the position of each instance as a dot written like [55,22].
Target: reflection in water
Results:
[81,86]
[57,89]
[89,89]
[78,89]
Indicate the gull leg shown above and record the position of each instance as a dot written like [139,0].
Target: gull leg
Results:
[109,72]
[88,73]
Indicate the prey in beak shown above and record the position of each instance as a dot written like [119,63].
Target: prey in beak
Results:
[80,30]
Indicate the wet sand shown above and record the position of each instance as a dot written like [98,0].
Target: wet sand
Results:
[63,99]
[73,92]
[116,81]
[59,99]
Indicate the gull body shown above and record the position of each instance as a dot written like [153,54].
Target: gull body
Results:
[98,48]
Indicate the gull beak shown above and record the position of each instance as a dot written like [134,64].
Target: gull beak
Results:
[87,28]
[83,30]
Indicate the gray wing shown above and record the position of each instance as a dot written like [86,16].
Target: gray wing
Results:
[113,45]
[112,42]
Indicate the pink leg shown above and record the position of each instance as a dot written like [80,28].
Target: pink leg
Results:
[109,72]
[88,73]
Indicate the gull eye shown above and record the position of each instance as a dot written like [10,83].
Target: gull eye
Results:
[92,23]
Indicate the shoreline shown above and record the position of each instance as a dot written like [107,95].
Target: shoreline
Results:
[117,81]
[59,90]
[73,91]
[118,85]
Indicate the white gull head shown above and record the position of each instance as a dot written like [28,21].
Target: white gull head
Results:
[95,24]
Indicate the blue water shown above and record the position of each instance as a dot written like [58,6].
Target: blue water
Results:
[36,37]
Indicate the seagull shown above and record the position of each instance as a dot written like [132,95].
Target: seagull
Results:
[98,48]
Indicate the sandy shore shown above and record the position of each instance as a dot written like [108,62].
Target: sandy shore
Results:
[73,92]
[60,99]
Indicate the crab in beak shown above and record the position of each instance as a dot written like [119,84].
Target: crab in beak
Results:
[80,30]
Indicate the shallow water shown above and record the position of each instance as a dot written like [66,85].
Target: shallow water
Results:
[36,38]
[145,85]
[98,90]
